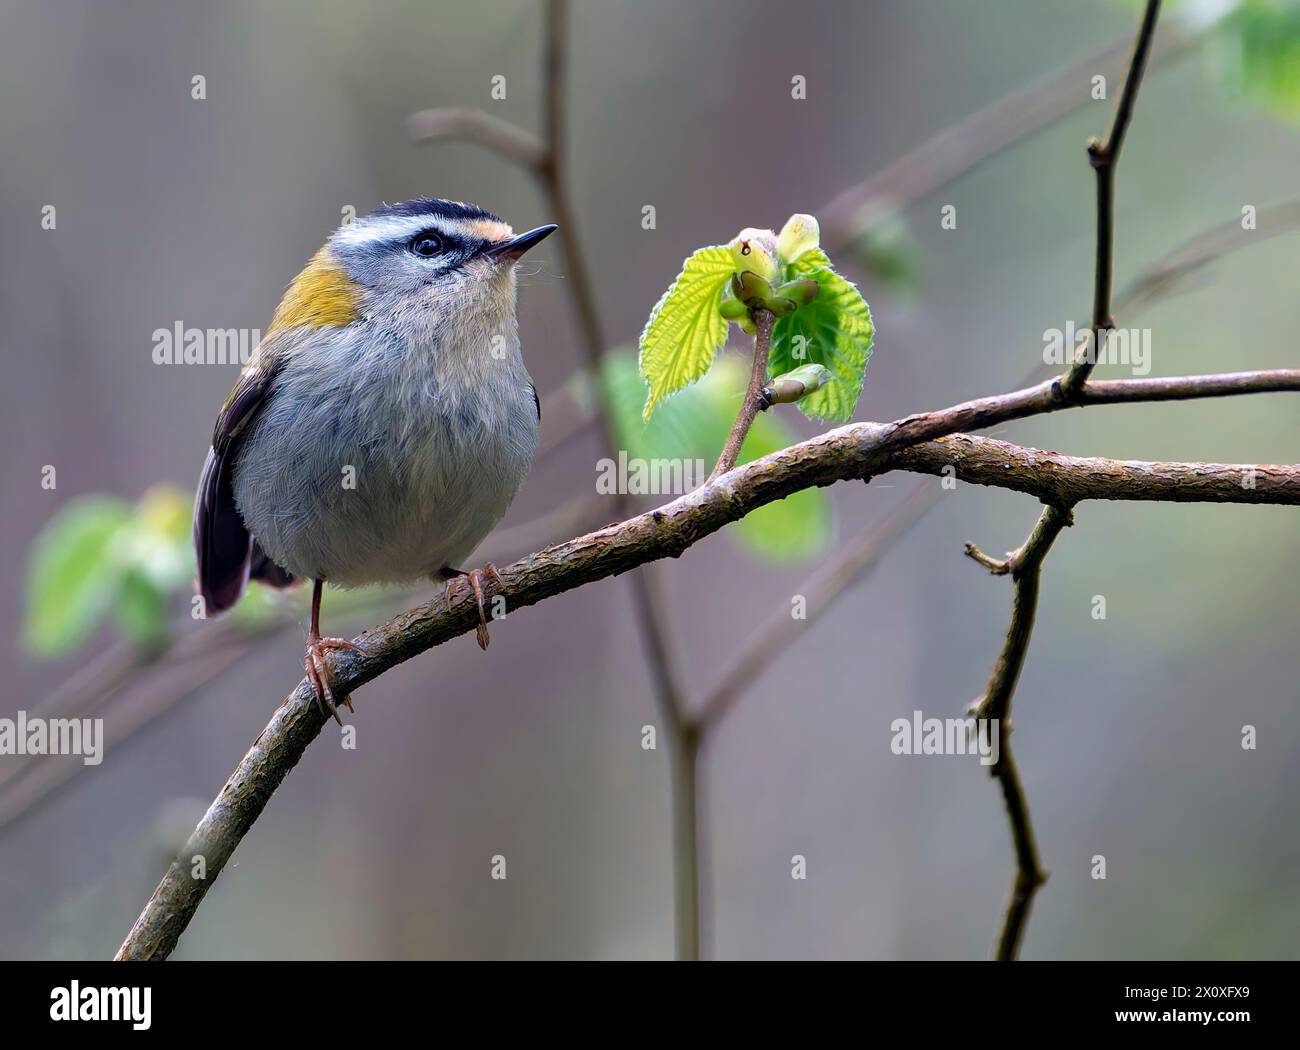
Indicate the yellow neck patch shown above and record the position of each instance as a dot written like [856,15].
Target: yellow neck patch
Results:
[321,296]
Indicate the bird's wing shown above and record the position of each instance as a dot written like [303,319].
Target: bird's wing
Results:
[223,547]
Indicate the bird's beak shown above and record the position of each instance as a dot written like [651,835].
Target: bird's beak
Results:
[516,246]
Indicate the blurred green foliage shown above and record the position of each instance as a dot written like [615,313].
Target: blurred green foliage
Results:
[99,555]
[100,558]
[1258,53]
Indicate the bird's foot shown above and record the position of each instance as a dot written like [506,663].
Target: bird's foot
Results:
[322,678]
[475,579]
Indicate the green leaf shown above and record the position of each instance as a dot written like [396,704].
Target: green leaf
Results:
[686,328]
[834,330]
[695,425]
[139,608]
[73,574]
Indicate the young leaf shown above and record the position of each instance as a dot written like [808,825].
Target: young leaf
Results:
[790,387]
[834,330]
[801,233]
[686,328]
[73,575]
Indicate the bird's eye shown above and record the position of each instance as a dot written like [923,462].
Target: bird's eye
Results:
[426,245]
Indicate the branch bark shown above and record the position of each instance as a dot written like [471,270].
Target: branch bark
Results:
[1057,478]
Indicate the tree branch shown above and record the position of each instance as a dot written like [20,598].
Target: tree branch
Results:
[855,451]
[1025,567]
[1105,158]
[1057,478]
[474,125]
[1030,875]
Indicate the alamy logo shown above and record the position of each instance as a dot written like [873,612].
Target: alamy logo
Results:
[53,736]
[179,345]
[947,736]
[1119,346]
[102,1004]
[649,477]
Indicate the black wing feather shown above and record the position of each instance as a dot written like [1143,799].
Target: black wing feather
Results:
[226,553]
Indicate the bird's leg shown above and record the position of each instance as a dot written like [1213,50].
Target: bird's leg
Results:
[475,579]
[318,672]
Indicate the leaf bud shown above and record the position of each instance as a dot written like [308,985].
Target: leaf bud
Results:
[789,387]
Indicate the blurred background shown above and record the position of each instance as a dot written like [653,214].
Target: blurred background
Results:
[171,209]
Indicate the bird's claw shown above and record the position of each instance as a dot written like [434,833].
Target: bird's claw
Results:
[320,676]
[475,580]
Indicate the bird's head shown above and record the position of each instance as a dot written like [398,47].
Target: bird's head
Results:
[429,257]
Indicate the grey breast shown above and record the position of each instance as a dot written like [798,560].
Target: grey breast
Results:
[368,467]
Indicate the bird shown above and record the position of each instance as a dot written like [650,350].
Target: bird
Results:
[383,424]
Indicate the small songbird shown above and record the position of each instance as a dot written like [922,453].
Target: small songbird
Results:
[384,423]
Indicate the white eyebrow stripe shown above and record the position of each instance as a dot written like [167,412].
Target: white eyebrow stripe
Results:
[372,231]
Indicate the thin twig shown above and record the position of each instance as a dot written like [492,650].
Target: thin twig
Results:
[1025,568]
[755,400]
[1105,159]
[474,125]
[1029,871]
